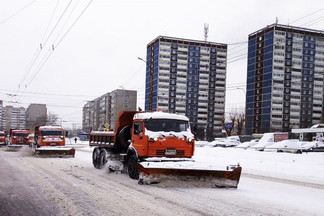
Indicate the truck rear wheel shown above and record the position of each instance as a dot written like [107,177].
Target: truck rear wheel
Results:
[95,157]
[132,167]
[102,158]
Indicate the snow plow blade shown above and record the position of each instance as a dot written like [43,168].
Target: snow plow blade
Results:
[54,152]
[217,178]
[14,147]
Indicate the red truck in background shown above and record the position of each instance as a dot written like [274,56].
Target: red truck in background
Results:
[19,136]
[3,137]
[50,141]
[17,139]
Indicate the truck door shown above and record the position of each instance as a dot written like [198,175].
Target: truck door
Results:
[138,138]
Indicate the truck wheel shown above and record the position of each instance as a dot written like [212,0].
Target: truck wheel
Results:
[102,158]
[132,167]
[95,157]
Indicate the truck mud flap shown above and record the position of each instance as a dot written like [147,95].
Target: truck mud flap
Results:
[48,152]
[216,178]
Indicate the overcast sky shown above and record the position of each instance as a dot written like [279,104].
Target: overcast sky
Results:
[49,55]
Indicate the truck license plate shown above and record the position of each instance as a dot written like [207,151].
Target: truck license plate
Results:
[53,144]
[170,152]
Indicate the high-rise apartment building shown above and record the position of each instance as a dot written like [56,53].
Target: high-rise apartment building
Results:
[36,114]
[187,77]
[284,78]
[13,118]
[105,109]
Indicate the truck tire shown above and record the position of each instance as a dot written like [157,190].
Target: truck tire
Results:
[102,158]
[95,157]
[132,167]
[123,137]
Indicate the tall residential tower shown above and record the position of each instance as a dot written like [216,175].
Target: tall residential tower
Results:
[284,78]
[187,77]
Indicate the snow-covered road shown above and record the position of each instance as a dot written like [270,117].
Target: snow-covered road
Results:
[271,184]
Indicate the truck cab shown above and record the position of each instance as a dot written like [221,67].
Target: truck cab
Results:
[157,134]
[2,137]
[19,136]
[49,136]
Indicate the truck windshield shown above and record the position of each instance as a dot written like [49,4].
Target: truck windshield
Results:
[52,133]
[20,134]
[166,125]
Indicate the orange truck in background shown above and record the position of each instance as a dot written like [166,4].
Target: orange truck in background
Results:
[19,136]
[50,141]
[17,139]
[2,137]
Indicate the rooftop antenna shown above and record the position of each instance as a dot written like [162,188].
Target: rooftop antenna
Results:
[206,29]
[276,20]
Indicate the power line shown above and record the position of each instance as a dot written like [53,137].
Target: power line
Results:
[49,94]
[35,57]
[14,14]
[74,23]
[46,59]
[50,20]
[307,15]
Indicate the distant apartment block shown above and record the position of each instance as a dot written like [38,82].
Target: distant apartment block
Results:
[13,118]
[284,78]
[36,114]
[105,109]
[187,77]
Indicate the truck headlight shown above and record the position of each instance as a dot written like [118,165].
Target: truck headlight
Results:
[154,139]
[190,140]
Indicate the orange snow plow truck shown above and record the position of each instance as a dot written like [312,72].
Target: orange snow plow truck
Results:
[50,142]
[150,146]
[3,137]
[17,139]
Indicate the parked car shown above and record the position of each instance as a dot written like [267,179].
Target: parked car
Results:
[269,139]
[291,146]
[230,141]
[314,146]
[246,145]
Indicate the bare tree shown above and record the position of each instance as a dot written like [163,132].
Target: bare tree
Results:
[240,122]
[52,119]
[237,121]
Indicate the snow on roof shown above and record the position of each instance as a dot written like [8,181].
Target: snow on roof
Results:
[49,127]
[160,115]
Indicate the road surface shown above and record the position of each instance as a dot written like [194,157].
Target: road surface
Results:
[71,186]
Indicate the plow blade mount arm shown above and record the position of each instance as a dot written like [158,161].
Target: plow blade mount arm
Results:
[217,178]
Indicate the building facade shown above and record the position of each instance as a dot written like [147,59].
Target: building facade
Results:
[284,79]
[13,118]
[105,109]
[36,114]
[187,77]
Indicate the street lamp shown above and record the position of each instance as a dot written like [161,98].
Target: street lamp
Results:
[150,102]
